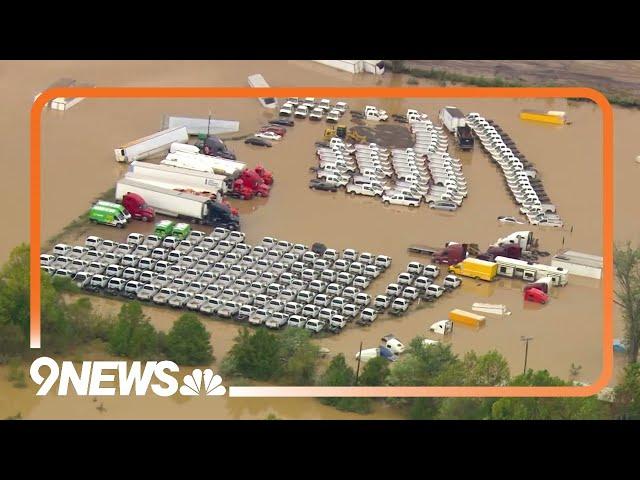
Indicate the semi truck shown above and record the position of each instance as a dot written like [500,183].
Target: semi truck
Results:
[464,137]
[243,182]
[181,176]
[178,204]
[150,145]
[203,163]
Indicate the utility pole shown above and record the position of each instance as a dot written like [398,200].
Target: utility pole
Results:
[526,351]
[358,368]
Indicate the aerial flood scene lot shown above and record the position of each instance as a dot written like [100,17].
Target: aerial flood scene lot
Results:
[375,229]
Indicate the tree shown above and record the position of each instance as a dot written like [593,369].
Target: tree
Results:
[299,356]
[255,356]
[188,342]
[536,408]
[132,335]
[338,373]
[13,343]
[626,262]
[490,369]
[14,289]
[627,393]
[375,372]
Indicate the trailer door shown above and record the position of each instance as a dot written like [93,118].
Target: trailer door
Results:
[505,271]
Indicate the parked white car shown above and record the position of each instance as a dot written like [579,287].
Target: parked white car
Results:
[268,135]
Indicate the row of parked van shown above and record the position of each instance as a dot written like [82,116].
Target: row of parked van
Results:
[219,274]
[521,179]
[417,282]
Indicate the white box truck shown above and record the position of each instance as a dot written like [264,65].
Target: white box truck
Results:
[178,204]
[151,144]
[258,81]
[204,163]
[180,177]
[452,118]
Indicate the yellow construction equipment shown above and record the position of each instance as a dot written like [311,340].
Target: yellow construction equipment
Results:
[329,132]
[356,137]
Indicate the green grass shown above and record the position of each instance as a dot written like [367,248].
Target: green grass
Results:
[443,76]
[79,223]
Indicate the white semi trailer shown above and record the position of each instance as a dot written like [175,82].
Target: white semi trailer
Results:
[452,118]
[204,163]
[181,177]
[179,204]
[150,145]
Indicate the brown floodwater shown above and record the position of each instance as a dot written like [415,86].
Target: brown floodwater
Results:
[78,164]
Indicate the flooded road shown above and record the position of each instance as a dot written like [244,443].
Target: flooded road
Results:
[78,164]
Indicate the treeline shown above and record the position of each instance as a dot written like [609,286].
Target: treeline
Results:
[67,326]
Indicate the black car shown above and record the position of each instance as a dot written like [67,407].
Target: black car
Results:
[282,121]
[258,141]
[317,184]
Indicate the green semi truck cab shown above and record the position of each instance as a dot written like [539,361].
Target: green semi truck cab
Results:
[107,216]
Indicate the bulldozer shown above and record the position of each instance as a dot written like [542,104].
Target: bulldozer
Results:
[339,131]
[356,137]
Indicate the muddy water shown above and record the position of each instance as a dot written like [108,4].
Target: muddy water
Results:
[78,164]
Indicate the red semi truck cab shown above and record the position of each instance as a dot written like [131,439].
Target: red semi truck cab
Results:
[264,174]
[451,255]
[137,207]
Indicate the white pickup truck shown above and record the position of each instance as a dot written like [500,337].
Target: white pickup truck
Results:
[372,113]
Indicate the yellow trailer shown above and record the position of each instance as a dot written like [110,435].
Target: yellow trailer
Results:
[466,318]
[475,268]
[551,116]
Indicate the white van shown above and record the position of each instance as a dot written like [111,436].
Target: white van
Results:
[368,315]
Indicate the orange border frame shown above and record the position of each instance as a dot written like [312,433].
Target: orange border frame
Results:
[355,92]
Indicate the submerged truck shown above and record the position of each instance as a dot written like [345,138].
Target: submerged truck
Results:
[150,145]
[179,204]
[452,118]
[203,163]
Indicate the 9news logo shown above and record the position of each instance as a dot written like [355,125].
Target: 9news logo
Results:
[129,378]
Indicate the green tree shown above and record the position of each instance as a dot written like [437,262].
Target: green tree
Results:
[489,369]
[537,408]
[626,261]
[299,357]
[132,335]
[375,372]
[188,342]
[338,373]
[14,289]
[255,356]
[627,393]
[13,343]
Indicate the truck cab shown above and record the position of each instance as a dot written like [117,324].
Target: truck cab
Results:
[164,228]
[137,207]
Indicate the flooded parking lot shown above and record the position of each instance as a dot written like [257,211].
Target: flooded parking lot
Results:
[78,163]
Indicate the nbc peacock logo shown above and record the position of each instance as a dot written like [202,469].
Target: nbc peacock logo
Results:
[198,381]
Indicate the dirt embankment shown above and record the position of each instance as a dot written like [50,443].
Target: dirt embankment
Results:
[619,79]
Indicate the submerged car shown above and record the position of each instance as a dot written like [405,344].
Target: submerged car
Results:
[283,122]
[318,184]
[258,142]
[503,219]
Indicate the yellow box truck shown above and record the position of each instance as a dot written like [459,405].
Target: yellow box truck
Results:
[466,318]
[474,268]
[554,117]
